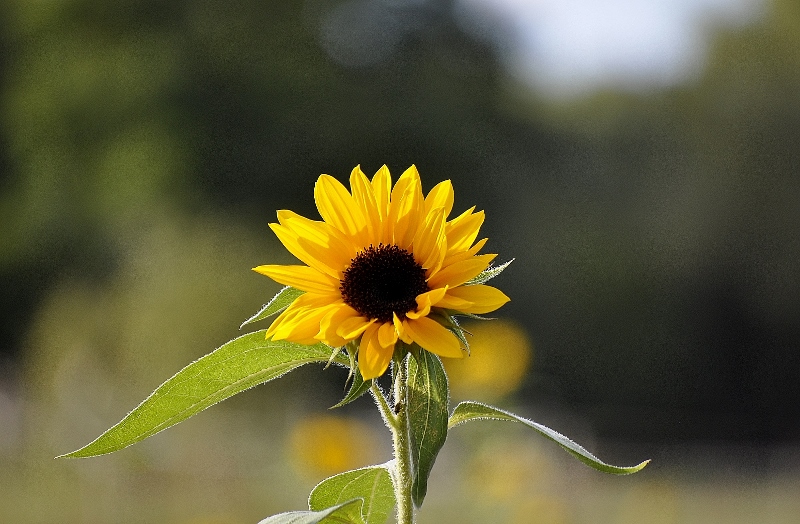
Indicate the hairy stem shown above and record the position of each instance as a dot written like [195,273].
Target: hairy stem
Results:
[401,441]
[396,419]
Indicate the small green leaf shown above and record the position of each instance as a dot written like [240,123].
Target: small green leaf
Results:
[346,513]
[358,387]
[372,484]
[488,274]
[428,398]
[468,410]
[278,303]
[235,366]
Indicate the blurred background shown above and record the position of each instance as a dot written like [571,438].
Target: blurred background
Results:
[638,159]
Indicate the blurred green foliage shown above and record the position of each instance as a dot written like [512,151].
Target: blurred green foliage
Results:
[145,145]
[655,232]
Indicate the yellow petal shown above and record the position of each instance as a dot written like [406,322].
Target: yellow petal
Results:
[473,299]
[458,273]
[427,300]
[301,277]
[463,255]
[305,302]
[291,241]
[462,231]
[354,326]
[364,197]
[387,335]
[382,187]
[320,233]
[433,337]
[440,196]
[406,208]
[399,327]
[429,245]
[300,325]
[337,207]
[330,324]
[373,359]
[316,243]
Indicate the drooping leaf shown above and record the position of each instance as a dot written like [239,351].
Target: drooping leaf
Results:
[346,513]
[469,410]
[372,484]
[238,365]
[279,302]
[358,387]
[428,398]
[488,274]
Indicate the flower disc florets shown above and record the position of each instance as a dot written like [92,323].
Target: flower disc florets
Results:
[384,265]
[382,282]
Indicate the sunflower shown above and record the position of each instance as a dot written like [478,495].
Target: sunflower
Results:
[384,265]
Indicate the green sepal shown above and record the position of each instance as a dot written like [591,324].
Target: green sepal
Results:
[448,319]
[469,410]
[358,387]
[235,366]
[371,484]
[346,513]
[427,404]
[472,316]
[279,302]
[488,274]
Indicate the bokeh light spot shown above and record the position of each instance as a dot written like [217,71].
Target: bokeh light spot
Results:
[324,445]
[500,355]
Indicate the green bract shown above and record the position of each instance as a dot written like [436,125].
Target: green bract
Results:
[279,302]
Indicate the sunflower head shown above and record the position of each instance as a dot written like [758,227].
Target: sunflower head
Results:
[383,266]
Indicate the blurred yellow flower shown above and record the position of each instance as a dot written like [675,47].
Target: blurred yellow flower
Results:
[540,509]
[325,445]
[508,469]
[383,265]
[500,355]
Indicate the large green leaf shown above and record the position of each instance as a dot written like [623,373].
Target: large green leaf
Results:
[468,410]
[372,484]
[240,364]
[346,513]
[428,398]
[279,302]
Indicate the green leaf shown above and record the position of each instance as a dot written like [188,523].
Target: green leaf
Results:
[468,410]
[451,323]
[278,303]
[488,274]
[428,398]
[346,513]
[238,365]
[372,484]
[358,387]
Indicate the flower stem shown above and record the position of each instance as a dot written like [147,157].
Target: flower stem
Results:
[397,421]
[400,439]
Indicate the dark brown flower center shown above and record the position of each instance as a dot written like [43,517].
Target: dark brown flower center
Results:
[383,280]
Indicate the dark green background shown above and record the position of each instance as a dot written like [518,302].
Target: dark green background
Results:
[656,234]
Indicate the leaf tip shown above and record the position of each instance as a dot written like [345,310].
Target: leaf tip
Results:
[629,470]
[72,454]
